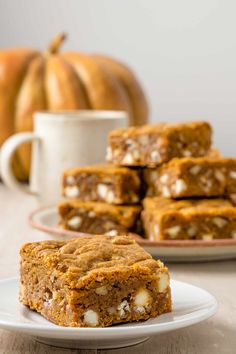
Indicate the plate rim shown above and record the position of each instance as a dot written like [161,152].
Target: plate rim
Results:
[56,231]
[128,330]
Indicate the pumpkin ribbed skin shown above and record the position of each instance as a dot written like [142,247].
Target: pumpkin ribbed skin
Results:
[31,81]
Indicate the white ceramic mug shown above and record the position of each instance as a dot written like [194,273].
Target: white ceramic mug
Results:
[61,140]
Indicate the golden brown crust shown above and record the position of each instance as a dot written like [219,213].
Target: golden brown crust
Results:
[187,205]
[79,261]
[160,128]
[101,170]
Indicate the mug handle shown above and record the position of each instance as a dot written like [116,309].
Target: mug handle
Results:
[6,155]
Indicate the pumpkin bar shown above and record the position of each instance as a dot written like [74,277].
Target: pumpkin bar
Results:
[93,281]
[106,183]
[98,218]
[205,219]
[192,177]
[151,145]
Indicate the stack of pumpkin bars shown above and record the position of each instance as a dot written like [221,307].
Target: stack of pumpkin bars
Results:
[168,173]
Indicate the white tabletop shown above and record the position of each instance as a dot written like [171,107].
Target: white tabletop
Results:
[215,336]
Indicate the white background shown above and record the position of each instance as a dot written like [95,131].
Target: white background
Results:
[183,50]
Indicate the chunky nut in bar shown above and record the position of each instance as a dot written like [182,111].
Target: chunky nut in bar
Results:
[151,145]
[93,281]
[105,183]
[206,219]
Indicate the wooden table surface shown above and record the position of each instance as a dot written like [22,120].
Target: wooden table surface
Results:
[214,336]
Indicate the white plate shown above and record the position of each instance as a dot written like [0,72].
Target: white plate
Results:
[46,220]
[190,305]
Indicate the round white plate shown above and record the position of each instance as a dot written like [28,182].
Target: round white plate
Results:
[190,305]
[46,220]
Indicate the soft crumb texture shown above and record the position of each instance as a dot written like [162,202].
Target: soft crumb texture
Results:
[93,281]
[205,219]
[98,218]
[104,183]
[151,145]
[209,176]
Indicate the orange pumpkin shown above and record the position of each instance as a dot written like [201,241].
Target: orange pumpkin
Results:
[31,81]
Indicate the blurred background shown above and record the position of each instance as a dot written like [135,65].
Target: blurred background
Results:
[183,51]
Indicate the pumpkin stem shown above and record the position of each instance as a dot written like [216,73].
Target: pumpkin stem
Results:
[56,43]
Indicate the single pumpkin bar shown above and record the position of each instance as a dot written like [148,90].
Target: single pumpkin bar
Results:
[205,219]
[93,281]
[98,218]
[106,183]
[192,177]
[151,145]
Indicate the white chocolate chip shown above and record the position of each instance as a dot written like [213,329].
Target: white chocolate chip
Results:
[207,237]
[173,231]
[179,186]
[142,298]
[102,190]
[187,153]
[165,192]
[128,159]
[164,178]
[123,307]
[232,174]
[74,222]
[219,176]
[71,192]
[91,214]
[163,282]
[143,140]
[233,234]
[192,230]
[139,309]
[102,290]
[195,169]
[70,180]
[91,318]
[155,156]
[219,222]
[112,233]
[110,197]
